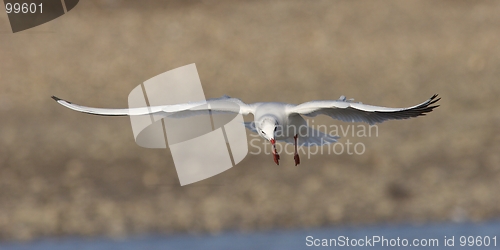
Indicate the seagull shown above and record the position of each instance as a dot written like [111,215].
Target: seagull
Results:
[276,121]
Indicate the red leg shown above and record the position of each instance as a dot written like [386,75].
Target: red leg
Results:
[296,154]
[276,156]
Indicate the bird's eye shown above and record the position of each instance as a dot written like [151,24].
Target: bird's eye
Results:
[275,129]
[262,132]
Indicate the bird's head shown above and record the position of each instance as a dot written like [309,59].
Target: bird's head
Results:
[266,128]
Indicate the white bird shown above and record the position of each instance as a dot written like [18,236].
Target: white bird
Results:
[275,121]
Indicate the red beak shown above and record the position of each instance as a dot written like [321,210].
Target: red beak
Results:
[272,141]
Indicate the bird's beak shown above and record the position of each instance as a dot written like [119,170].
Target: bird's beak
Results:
[272,141]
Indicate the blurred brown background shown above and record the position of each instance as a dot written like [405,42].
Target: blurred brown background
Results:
[66,173]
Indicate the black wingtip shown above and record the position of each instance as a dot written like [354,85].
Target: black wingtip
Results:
[59,99]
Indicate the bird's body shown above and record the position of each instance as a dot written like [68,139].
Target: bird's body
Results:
[276,121]
[288,125]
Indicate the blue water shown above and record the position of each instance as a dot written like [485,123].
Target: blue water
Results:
[292,239]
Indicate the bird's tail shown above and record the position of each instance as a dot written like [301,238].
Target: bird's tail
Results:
[251,126]
[312,137]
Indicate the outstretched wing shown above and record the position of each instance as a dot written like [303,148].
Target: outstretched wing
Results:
[223,104]
[350,111]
